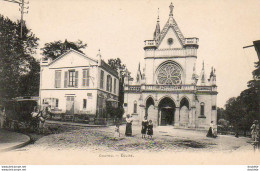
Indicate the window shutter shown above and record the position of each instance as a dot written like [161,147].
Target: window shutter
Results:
[66,79]
[55,79]
[59,84]
[84,78]
[87,79]
[76,78]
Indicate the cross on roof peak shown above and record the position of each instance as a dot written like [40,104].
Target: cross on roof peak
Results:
[171,9]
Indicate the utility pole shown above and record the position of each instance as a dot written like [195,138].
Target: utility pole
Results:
[22,8]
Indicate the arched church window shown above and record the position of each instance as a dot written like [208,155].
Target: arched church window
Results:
[169,74]
[135,107]
[202,108]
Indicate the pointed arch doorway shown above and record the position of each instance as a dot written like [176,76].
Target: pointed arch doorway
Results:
[185,117]
[151,112]
[166,110]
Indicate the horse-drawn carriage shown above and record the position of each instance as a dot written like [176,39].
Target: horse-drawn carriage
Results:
[24,113]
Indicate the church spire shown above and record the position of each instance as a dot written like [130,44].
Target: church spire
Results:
[212,77]
[138,75]
[194,75]
[202,75]
[157,29]
[211,73]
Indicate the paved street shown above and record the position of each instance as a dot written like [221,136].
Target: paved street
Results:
[165,139]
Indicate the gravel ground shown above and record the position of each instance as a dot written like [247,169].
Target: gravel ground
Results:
[102,139]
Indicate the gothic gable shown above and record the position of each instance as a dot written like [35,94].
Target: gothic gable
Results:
[170,39]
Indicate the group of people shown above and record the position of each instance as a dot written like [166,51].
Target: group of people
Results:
[147,128]
[254,131]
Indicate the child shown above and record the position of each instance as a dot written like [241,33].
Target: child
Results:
[150,129]
[117,132]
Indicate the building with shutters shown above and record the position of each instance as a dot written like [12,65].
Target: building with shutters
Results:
[168,90]
[77,84]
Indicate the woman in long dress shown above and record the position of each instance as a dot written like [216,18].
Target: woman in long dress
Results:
[144,127]
[210,131]
[128,130]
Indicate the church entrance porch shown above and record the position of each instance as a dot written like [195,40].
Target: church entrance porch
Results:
[166,111]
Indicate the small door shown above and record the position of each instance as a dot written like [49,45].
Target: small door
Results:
[167,117]
[70,105]
[163,117]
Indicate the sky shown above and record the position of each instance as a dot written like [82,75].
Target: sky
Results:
[119,28]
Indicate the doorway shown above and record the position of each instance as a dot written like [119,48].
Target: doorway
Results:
[166,112]
[70,104]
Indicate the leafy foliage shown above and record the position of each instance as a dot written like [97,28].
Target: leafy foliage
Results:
[117,65]
[115,112]
[56,48]
[241,111]
[16,58]
[32,77]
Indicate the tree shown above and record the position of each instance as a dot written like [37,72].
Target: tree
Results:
[244,109]
[32,77]
[56,48]
[220,113]
[15,56]
[117,65]
[241,111]
[255,83]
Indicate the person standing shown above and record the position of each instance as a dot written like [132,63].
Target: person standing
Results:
[255,130]
[144,127]
[150,129]
[210,131]
[2,117]
[128,130]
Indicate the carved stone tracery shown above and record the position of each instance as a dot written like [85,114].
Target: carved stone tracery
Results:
[169,74]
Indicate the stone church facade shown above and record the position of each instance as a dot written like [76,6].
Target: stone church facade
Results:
[168,90]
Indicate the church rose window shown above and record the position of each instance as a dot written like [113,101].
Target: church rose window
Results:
[169,74]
